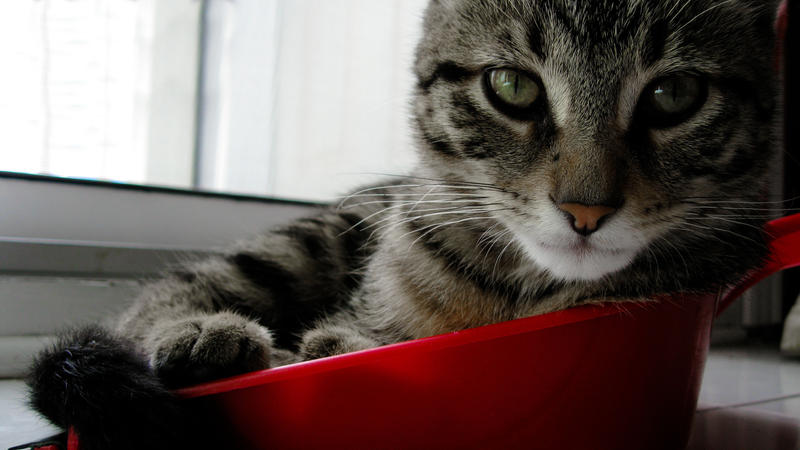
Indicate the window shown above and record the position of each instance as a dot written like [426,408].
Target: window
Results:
[268,98]
[90,84]
[73,252]
[289,98]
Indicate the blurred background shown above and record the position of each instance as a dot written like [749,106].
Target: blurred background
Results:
[294,99]
[138,133]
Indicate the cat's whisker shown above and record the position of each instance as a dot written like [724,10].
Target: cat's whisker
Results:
[500,255]
[414,194]
[720,199]
[457,212]
[410,202]
[404,220]
[440,225]
[430,191]
[679,11]
[735,222]
[440,212]
[676,250]
[394,216]
[710,212]
[653,259]
[488,248]
[406,186]
[365,219]
[703,231]
[388,208]
[740,212]
[742,205]
[704,12]
[718,229]
[487,233]
[440,180]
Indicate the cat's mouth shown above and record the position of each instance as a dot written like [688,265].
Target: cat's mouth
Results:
[569,256]
[579,259]
[582,248]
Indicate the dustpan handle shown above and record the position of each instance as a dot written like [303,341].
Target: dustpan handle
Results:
[783,236]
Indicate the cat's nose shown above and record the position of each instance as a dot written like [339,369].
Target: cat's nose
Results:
[584,219]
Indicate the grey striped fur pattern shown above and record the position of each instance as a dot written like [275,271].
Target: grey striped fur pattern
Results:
[584,196]
[476,234]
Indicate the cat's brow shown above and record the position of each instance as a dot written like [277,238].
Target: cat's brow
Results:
[448,71]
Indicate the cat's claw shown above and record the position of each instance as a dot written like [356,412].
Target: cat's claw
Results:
[208,347]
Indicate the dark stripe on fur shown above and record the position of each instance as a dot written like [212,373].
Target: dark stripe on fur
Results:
[438,145]
[335,250]
[654,43]
[464,269]
[356,248]
[184,275]
[288,313]
[352,221]
[311,239]
[267,274]
[469,115]
[535,41]
[448,71]
[475,147]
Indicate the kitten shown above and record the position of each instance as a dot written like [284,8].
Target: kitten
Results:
[571,152]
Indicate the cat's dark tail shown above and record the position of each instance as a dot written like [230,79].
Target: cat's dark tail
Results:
[98,384]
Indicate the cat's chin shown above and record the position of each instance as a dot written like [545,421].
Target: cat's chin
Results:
[579,262]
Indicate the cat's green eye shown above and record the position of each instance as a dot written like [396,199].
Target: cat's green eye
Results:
[513,88]
[672,99]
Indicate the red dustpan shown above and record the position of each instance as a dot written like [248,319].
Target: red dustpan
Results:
[621,376]
[616,376]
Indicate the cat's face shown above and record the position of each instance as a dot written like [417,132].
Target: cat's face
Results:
[610,129]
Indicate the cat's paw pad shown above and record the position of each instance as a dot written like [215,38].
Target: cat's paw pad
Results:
[209,347]
[333,340]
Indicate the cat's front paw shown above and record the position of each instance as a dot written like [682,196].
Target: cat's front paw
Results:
[333,340]
[203,348]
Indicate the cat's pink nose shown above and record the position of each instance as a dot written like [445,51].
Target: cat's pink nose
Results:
[585,220]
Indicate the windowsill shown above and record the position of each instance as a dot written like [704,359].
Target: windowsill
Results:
[72,251]
[157,189]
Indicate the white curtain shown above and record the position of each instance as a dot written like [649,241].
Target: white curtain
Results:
[305,98]
[300,98]
[82,83]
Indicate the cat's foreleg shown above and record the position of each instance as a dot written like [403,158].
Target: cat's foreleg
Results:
[248,309]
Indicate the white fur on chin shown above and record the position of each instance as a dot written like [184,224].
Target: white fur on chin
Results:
[567,256]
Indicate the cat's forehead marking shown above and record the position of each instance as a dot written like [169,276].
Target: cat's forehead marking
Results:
[558,94]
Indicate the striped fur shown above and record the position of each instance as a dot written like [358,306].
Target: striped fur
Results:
[475,235]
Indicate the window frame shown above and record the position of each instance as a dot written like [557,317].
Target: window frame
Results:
[75,251]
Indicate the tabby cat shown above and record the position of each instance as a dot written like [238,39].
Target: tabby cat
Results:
[570,152]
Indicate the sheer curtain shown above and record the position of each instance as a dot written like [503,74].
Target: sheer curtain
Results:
[306,98]
[82,84]
[287,98]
